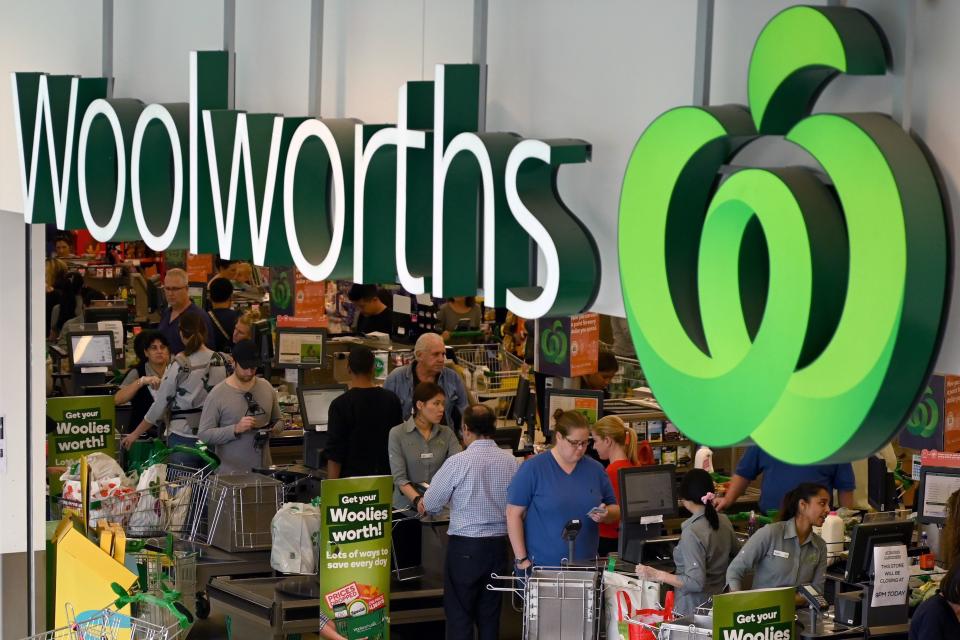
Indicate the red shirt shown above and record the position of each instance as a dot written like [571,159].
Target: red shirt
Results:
[613,530]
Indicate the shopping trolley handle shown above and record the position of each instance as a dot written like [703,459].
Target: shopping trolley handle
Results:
[162,454]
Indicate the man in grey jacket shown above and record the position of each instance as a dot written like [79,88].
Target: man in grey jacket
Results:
[240,414]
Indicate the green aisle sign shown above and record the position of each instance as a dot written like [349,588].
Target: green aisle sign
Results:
[764,614]
[355,555]
[770,305]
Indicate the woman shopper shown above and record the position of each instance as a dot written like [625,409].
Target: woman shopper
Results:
[614,441]
[554,488]
[707,544]
[419,446]
[188,380]
[139,386]
[787,553]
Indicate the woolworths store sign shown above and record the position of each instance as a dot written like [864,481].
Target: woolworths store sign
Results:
[765,303]
[426,202]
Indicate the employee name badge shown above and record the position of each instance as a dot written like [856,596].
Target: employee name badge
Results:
[781,554]
[426,456]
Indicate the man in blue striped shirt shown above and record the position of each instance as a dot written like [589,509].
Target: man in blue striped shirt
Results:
[474,482]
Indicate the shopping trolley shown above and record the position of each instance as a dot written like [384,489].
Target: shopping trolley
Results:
[162,569]
[493,370]
[172,503]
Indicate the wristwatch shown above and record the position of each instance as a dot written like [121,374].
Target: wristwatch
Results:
[520,561]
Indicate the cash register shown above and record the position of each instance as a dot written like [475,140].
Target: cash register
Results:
[647,496]
[314,410]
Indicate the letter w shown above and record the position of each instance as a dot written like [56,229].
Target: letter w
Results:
[44,127]
[259,217]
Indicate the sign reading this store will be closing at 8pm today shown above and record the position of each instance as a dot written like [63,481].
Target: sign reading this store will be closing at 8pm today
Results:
[766,305]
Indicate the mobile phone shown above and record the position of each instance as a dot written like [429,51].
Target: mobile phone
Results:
[597,510]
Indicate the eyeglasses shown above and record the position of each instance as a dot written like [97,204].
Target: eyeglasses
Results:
[578,444]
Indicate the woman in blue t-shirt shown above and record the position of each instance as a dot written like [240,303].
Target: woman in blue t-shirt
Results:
[553,488]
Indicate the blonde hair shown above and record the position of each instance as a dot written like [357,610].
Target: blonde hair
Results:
[250,318]
[616,429]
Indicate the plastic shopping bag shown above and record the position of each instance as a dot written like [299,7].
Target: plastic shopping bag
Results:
[149,513]
[623,595]
[295,530]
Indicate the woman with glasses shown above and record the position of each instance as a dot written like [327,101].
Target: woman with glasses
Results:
[419,446]
[554,488]
[140,385]
[183,389]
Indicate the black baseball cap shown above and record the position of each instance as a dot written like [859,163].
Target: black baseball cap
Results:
[246,354]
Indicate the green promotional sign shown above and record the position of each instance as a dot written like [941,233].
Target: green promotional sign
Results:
[764,614]
[355,555]
[772,304]
[80,425]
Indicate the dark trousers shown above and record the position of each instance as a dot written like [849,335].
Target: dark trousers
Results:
[466,600]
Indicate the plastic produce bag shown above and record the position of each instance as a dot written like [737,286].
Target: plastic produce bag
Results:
[623,595]
[295,530]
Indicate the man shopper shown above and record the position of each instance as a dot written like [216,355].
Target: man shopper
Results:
[429,355]
[176,291]
[240,414]
[474,482]
[222,314]
[359,422]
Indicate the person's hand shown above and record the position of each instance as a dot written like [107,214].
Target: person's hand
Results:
[600,514]
[523,566]
[722,503]
[246,424]
[153,381]
[648,573]
[421,508]
[128,440]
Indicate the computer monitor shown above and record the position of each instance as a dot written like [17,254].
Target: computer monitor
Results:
[936,486]
[91,350]
[523,409]
[508,437]
[881,485]
[585,401]
[315,404]
[300,348]
[198,293]
[865,537]
[647,496]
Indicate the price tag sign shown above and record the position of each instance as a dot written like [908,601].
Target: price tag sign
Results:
[891,575]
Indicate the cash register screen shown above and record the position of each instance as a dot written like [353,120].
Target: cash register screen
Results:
[936,487]
[648,492]
[316,407]
[92,350]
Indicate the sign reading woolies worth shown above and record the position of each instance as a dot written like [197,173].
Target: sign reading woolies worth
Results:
[337,198]
[770,305]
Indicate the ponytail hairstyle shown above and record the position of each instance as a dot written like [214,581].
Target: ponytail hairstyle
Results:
[950,537]
[697,487]
[616,429]
[805,491]
[193,330]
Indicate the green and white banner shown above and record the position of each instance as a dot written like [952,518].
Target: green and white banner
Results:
[80,425]
[764,614]
[355,555]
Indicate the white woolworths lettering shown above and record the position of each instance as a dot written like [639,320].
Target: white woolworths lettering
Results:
[45,120]
[241,153]
[101,107]
[400,136]
[307,129]
[156,112]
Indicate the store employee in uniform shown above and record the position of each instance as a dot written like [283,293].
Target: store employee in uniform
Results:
[779,476]
[787,553]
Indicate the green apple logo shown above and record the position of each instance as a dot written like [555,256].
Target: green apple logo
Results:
[553,343]
[280,292]
[773,304]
